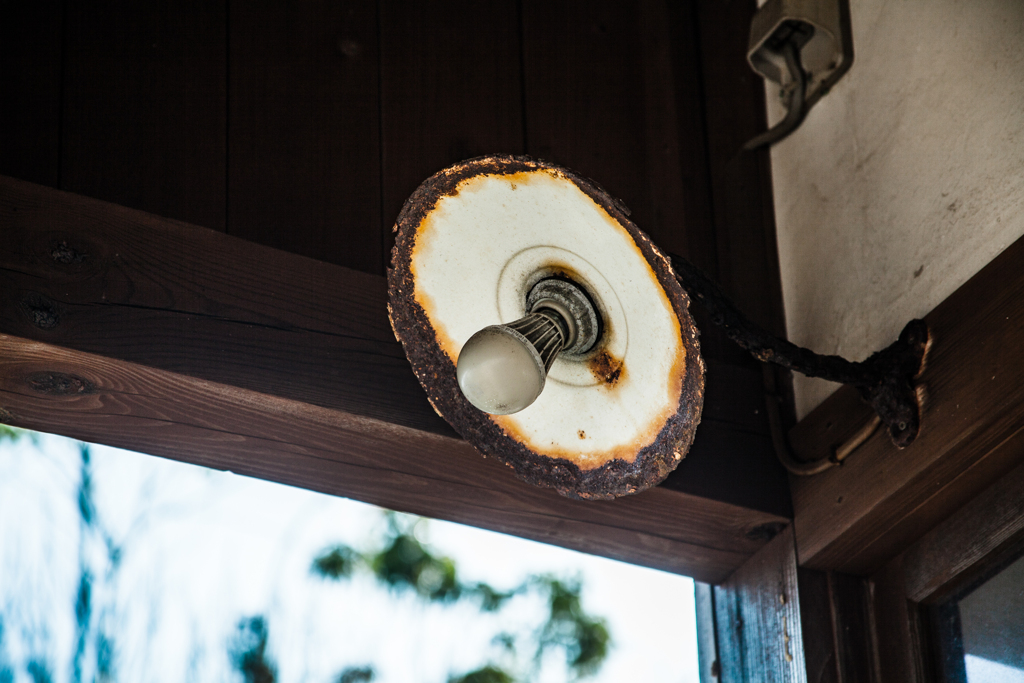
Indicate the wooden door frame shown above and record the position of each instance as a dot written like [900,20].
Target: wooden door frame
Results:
[883,628]
[880,540]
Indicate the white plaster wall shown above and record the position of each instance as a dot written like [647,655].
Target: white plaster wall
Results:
[906,179]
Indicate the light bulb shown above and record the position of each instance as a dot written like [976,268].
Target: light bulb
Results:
[502,368]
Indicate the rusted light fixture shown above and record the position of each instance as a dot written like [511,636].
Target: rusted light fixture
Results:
[493,240]
[550,332]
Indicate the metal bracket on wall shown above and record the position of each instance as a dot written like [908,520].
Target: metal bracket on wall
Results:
[887,380]
[803,46]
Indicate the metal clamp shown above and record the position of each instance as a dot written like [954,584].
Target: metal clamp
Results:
[804,46]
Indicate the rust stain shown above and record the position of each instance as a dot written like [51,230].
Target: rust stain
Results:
[608,369]
[584,459]
[612,371]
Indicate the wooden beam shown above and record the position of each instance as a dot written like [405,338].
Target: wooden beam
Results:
[856,517]
[969,543]
[105,279]
[146,333]
[758,620]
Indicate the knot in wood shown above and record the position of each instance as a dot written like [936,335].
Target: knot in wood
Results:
[59,384]
[40,311]
[62,252]
[765,532]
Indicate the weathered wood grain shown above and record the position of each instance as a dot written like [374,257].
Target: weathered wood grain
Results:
[757,613]
[898,657]
[855,517]
[707,645]
[132,406]
[104,279]
[303,129]
[968,542]
[144,96]
[835,617]
[120,283]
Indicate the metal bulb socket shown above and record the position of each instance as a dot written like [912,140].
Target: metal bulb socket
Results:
[502,369]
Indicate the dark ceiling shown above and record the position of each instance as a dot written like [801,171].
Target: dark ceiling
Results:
[305,125]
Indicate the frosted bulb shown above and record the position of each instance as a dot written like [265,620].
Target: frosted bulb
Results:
[502,368]
[499,371]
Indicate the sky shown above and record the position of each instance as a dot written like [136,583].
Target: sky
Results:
[201,549]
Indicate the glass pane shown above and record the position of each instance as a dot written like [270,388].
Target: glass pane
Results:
[116,566]
[992,628]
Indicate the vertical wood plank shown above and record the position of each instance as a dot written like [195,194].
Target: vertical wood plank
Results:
[816,619]
[600,93]
[303,129]
[899,659]
[144,106]
[451,89]
[707,647]
[834,614]
[757,611]
[744,211]
[30,73]
[697,220]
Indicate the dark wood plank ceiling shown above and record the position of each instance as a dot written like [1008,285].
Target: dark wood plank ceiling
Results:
[305,126]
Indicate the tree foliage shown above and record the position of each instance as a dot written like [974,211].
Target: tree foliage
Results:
[357,674]
[8,433]
[403,563]
[248,651]
[400,562]
[487,674]
[584,638]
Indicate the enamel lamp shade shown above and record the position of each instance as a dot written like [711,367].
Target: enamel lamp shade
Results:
[545,327]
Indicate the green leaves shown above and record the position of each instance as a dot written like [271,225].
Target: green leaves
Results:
[248,651]
[336,563]
[585,639]
[10,433]
[488,674]
[357,674]
[404,563]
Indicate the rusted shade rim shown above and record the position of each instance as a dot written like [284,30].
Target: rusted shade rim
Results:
[436,370]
